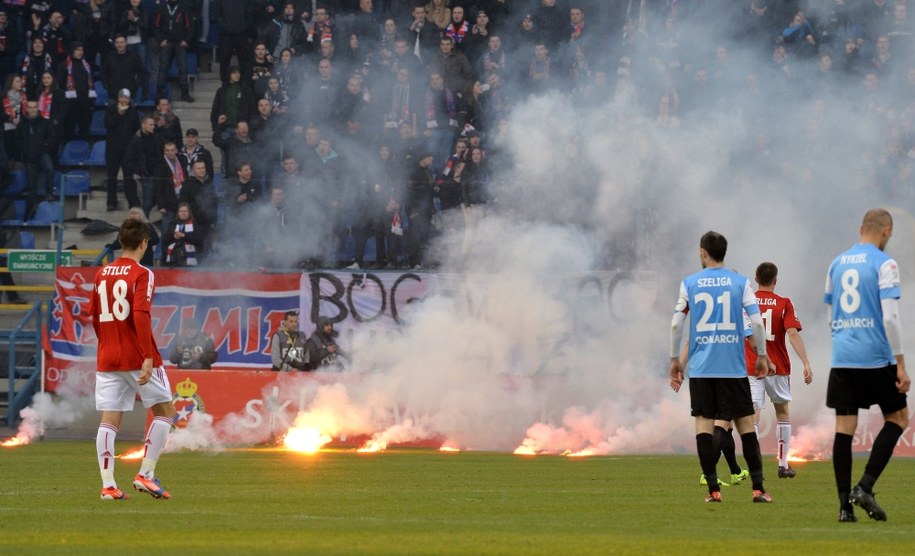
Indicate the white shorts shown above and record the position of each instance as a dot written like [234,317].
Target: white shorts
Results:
[778,387]
[117,390]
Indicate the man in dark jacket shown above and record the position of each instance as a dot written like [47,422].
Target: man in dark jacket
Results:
[200,194]
[236,26]
[170,178]
[123,69]
[121,123]
[34,139]
[172,30]
[420,209]
[284,31]
[34,65]
[143,154]
[323,351]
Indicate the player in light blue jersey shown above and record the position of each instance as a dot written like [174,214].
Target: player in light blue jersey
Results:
[714,301]
[868,367]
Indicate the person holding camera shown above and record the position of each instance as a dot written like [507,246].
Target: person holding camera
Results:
[288,350]
[194,349]
[323,351]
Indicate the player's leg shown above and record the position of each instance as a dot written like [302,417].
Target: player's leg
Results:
[741,409]
[113,396]
[704,408]
[840,396]
[156,395]
[783,437]
[895,418]
[724,437]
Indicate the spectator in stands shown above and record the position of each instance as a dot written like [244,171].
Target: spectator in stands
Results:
[364,24]
[143,155]
[883,60]
[239,147]
[243,190]
[321,30]
[290,72]
[122,122]
[168,124]
[148,260]
[123,69]
[10,45]
[193,348]
[800,36]
[321,92]
[181,240]
[284,32]
[441,117]
[94,24]
[169,178]
[476,42]
[236,21]
[552,24]
[34,140]
[419,207]
[52,106]
[34,65]
[233,102]
[438,13]
[133,23]
[453,66]
[171,30]
[75,73]
[200,194]
[457,29]
[403,57]
[194,151]
[474,197]
[290,178]
[425,38]
[261,69]
[57,38]
[14,104]
[540,70]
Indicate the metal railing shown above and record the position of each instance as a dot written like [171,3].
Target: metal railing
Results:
[20,398]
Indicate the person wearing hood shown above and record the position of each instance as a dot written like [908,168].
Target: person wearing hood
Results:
[194,348]
[323,351]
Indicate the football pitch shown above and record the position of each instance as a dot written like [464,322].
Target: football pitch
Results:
[411,501]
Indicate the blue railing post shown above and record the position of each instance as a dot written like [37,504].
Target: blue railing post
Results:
[13,406]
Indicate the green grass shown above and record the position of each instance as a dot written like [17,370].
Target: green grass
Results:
[425,502]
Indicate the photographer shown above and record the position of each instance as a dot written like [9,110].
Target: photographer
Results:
[287,348]
[194,349]
[323,350]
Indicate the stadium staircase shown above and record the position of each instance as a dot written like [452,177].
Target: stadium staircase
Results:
[84,200]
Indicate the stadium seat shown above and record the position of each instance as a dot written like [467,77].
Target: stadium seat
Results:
[18,213]
[97,127]
[97,155]
[48,212]
[101,94]
[18,183]
[76,182]
[26,240]
[74,153]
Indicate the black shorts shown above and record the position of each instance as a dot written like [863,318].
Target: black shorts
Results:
[853,389]
[720,398]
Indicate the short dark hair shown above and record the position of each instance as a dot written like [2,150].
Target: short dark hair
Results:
[132,233]
[766,273]
[715,245]
[292,313]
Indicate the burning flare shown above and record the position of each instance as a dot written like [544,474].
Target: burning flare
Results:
[587,452]
[372,446]
[136,453]
[21,439]
[305,440]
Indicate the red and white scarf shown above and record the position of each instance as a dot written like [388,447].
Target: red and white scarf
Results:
[71,85]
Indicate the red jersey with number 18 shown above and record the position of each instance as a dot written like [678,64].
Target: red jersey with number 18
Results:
[778,316]
[120,307]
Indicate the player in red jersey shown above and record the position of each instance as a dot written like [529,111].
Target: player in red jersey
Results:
[780,320]
[128,360]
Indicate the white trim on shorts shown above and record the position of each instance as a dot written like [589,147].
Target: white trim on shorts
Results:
[778,387]
[117,390]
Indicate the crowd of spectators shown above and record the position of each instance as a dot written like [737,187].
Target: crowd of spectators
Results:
[382,120]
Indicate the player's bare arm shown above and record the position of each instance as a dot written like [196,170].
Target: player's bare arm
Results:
[903,382]
[800,349]
[676,352]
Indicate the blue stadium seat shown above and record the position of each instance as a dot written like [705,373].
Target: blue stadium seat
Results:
[97,155]
[101,94]
[17,184]
[26,240]
[76,182]
[97,127]
[74,153]
[151,103]
[18,213]
[46,213]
